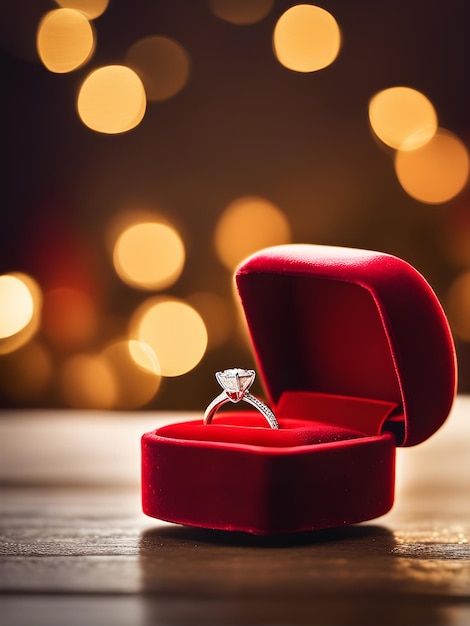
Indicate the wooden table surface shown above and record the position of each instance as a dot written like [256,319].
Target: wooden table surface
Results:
[76,549]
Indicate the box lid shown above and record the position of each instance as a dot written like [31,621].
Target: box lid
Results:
[352,323]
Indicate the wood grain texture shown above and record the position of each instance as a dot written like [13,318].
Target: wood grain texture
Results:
[72,555]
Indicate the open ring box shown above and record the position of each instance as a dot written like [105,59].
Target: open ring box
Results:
[356,357]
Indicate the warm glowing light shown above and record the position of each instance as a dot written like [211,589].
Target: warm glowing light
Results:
[217,315]
[458,306]
[91,8]
[88,382]
[174,331]
[17,307]
[437,171]
[149,255]
[69,317]
[247,225]
[137,381]
[144,356]
[162,64]
[28,371]
[112,100]
[110,380]
[241,11]
[65,40]
[402,117]
[306,38]
[17,312]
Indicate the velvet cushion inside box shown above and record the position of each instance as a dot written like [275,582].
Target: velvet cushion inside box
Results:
[356,357]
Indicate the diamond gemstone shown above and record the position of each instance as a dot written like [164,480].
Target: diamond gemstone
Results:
[235,382]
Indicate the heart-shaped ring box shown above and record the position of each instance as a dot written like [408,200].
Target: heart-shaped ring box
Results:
[356,357]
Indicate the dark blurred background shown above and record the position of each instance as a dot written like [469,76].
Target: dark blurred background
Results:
[241,126]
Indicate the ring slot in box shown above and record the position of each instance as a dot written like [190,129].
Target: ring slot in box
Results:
[356,357]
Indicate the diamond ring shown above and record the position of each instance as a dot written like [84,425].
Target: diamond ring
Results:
[236,383]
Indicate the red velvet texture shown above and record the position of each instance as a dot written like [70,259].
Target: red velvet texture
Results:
[352,346]
[350,323]
[263,489]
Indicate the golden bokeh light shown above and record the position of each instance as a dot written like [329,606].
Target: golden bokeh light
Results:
[112,100]
[130,216]
[217,315]
[144,356]
[65,40]
[162,64]
[241,11]
[174,331]
[91,8]
[149,255]
[458,306]
[69,317]
[403,118]
[28,372]
[111,379]
[437,171]
[137,382]
[88,382]
[249,224]
[17,307]
[306,38]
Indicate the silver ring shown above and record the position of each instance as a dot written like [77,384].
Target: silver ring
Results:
[235,383]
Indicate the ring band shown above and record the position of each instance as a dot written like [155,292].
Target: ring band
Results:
[235,383]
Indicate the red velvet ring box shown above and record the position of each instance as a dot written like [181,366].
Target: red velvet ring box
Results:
[356,357]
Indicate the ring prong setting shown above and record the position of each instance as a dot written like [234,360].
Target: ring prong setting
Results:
[235,382]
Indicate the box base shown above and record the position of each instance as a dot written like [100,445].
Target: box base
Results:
[263,489]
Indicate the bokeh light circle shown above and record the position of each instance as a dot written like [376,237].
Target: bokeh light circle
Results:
[65,40]
[16,311]
[110,379]
[306,38]
[28,371]
[162,64]
[241,11]
[174,331]
[17,308]
[143,355]
[149,255]
[112,100]
[402,117]
[88,382]
[91,8]
[437,171]
[137,381]
[247,225]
